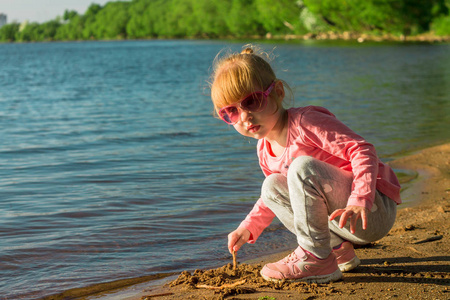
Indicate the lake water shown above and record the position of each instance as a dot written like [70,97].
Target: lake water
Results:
[113,167]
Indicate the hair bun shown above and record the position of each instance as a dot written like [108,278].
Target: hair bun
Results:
[247,50]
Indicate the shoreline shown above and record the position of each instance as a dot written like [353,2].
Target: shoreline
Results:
[395,265]
[346,36]
[362,37]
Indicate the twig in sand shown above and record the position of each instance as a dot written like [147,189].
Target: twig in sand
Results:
[430,239]
[223,286]
[234,260]
[415,250]
[148,297]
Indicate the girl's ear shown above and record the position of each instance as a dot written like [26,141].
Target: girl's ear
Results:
[279,89]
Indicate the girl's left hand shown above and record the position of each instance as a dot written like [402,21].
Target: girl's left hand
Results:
[352,212]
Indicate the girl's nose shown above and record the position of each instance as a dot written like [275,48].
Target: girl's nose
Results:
[245,115]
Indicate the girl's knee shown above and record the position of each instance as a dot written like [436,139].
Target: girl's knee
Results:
[272,184]
[303,166]
[272,187]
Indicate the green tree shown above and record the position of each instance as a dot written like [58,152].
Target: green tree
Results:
[72,30]
[181,20]
[31,32]
[69,15]
[139,25]
[89,21]
[111,21]
[398,17]
[209,16]
[157,13]
[241,19]
[8,32]
[353,15]
[441,19]
[238,18]
[417,15]
[279,16]
[49,29]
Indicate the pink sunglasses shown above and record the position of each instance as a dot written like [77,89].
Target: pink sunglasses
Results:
[255,102]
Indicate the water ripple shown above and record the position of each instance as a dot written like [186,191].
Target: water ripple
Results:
[113,166]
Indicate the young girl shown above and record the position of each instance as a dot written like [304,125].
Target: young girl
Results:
[324,182]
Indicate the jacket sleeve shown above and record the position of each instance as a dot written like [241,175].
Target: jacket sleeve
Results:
[323,130]
[257,220]
[260,216]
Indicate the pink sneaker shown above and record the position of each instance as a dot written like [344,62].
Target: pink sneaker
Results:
[301,265]
[346,257]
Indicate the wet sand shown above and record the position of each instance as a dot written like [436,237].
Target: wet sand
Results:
[411,262]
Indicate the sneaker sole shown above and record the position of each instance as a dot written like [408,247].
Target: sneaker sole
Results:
[350,265]
[336,275]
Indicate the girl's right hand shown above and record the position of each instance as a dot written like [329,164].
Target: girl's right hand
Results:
[238,238]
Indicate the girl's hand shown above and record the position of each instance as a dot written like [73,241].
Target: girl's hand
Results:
[352,212]
[238,238]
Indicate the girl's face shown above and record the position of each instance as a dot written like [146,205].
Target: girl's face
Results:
[263,124]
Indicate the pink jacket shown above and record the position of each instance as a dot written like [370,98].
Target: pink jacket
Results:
[316,132]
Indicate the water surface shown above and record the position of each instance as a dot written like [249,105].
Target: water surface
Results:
[112,166]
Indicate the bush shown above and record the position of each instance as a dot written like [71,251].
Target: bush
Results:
[441,26]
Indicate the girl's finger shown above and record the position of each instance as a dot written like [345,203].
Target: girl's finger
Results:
[236,243]
[353,223]
[336,213]
[232,242]
[344,218]
[364,219]
[241,241]
[231,247]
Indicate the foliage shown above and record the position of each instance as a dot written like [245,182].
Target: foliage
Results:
[393,16]
[441,22]
[139,25]
[72,30]
[441,26]
[140,19]
[69,15]
[8,32]
[110,22]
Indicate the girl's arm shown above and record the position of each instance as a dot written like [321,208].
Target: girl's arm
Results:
[255,222]
[251,228]
[323,130]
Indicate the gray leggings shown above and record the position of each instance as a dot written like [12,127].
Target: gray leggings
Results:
[312,190]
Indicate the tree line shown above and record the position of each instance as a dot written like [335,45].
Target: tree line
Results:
[144,19]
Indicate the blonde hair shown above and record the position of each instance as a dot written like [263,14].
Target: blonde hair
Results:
[236,75]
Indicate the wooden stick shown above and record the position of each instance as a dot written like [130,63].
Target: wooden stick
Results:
[234,260]
[223,286]
[430,239]
[415,250]
[156,295]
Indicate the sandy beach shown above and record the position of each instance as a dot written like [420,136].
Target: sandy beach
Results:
[411,262]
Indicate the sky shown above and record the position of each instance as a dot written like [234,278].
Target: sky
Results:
[42,10]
